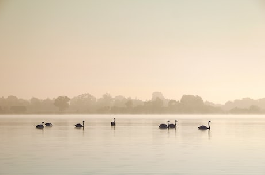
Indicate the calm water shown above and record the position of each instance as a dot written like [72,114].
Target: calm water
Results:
[234,145]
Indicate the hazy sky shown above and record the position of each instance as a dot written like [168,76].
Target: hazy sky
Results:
[211,48]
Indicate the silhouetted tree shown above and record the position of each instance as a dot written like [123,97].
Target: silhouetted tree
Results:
[237,110]
[62,102]
[83,103]
[243,103]
[172,103]
[18,109]
[157,103]
[129,103]
[35,101]
[191,104]
[253,109]
[105,103]
[173,106]
[12,101]
[191,100]
[48,106]
[35,105]
[86,103]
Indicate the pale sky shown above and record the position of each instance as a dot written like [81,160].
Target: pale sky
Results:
[211,48]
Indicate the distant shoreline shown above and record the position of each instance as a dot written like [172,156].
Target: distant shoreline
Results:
[86,104]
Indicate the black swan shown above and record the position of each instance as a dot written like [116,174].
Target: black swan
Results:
[40,126]
[78,125]
[164,126]
[113,123]
[171,125]
[202,127]
[48,124]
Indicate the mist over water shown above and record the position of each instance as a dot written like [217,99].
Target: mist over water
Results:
[88,58]
[136,145]
[158,104]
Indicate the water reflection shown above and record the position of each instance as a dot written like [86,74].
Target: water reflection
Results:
[209,134]
[79,128]
[137,146]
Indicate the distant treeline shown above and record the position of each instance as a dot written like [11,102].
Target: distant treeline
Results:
[88,104]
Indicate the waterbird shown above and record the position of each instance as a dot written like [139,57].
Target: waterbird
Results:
[202,127]
[48,124]
[40,126]
[78,125]
[164,126]
[171,125]
[113,123]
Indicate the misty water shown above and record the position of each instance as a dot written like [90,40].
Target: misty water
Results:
[234,145]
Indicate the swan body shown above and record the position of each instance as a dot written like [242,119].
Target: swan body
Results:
[78,125]
[203,127]
[113,123]
[171,125]
[40,126]
[164,126]
[48,124]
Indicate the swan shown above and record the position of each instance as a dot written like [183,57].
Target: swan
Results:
[164,126]
[171,125]
[48,124]
[113,123]
[78,125]
[40,126]
[202,127]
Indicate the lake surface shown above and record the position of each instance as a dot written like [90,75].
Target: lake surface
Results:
[234,145]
